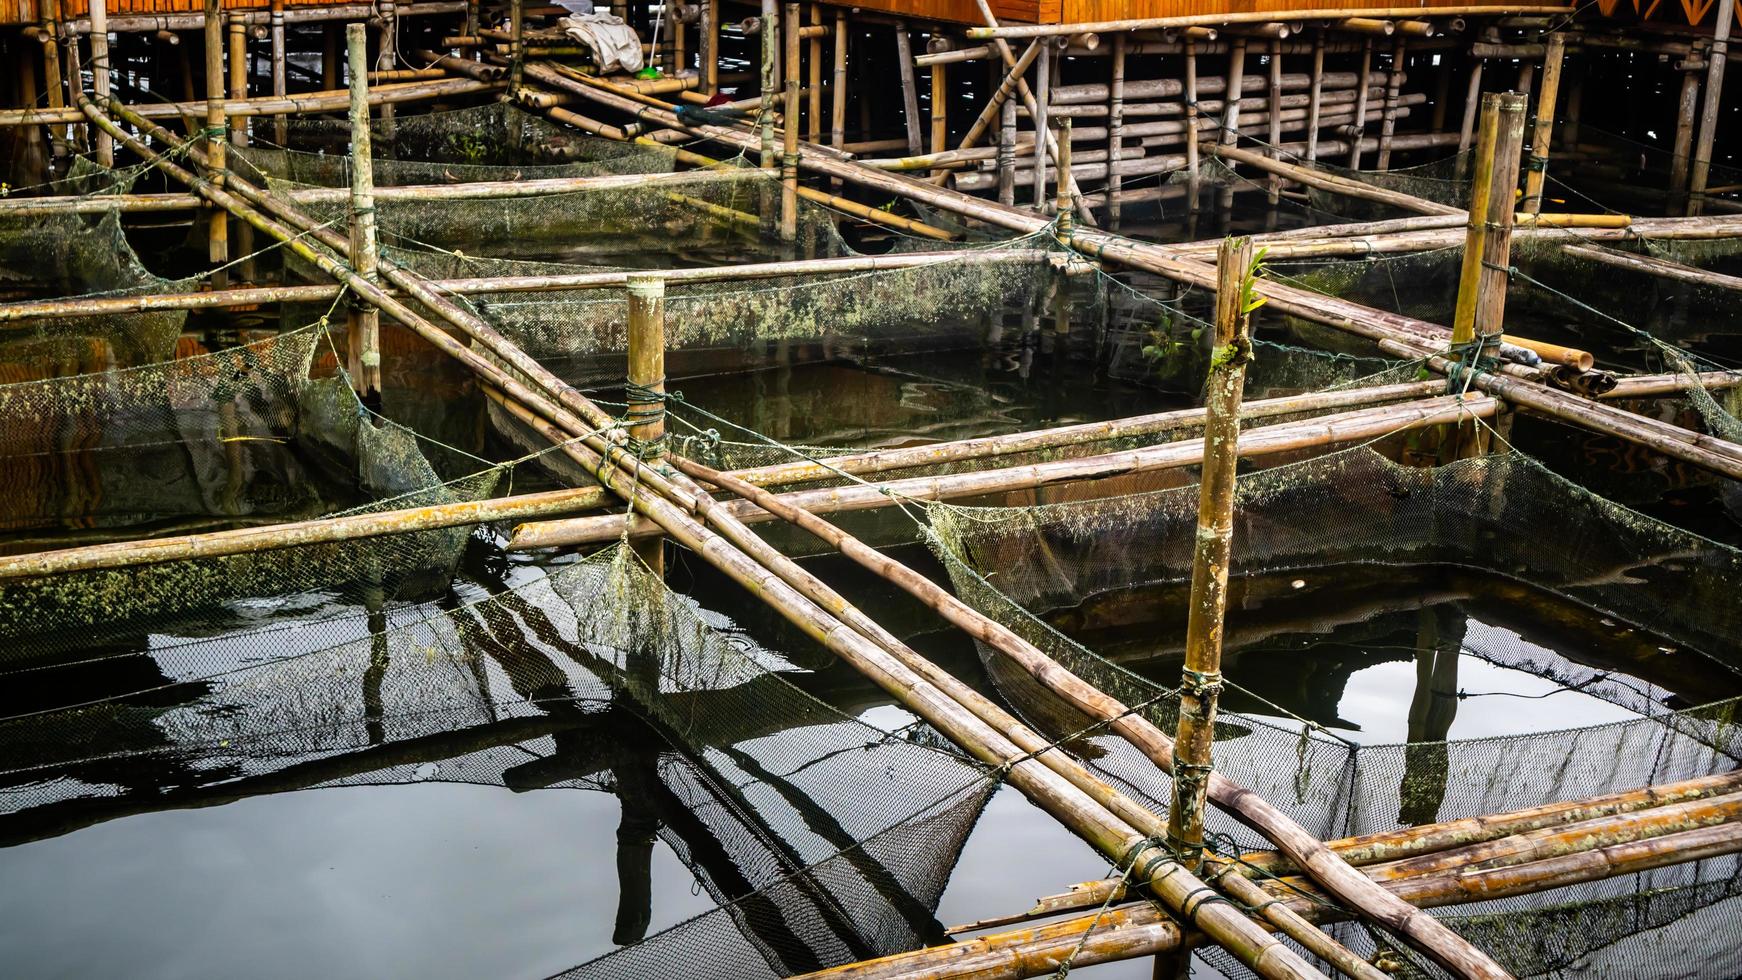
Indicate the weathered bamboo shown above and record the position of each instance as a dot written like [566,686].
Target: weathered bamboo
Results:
[1137,929]
[1223,18]
[336,100]
[280,64]
[1044,143]
[1115,130]
[995,107]
[1388,110]
[838,90]
[1652,265]
[909,87]
[1472,106]
[1035,112]
[1537,170]
[1062,205]
[1201,675]
[1191,94]
[814,67]
[1007,153]
[789,146]
[100,74]
[1359,126]
[1332,182]
[1480,312]
[1315,92]
[1273,186]
[1715,62]
[363,322]
[217,127]
[1265,441]
[646,388]
[1682,147]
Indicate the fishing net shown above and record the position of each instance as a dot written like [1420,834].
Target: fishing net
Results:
[823,838]
[73,255]
[1051,571]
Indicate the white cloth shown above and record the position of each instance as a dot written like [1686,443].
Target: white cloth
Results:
[614,44]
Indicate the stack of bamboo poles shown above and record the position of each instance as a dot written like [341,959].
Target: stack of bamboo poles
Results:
[1435,865]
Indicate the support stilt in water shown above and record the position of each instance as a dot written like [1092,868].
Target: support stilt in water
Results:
[516,47]
[838,94]
[1315,91]
[1687,110]
[280,122]
[1472,107]
[1115,131]
[1007,154]
[1042,94]
[100,77]
[1388,112]
[363,338]
[1192,137]
[1716,59]
[238,58]
[909,88]
[1481,307]
[1230,133]
[1209,590]
[789,132]
[1363,82]
[1273,186]
[646,388]
[1537,171]
[217,125]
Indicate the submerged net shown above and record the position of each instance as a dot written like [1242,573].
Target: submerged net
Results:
[823,838]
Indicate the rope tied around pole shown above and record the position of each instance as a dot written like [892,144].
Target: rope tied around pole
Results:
[1471,359]
[645,405]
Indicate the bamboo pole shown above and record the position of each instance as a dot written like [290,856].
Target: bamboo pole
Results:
[217,126]
[1225,18]
[1716,59]
[1332,182]
[1481,304]
[1388,110]
[838,91]
[1007,152]
[1207,607]
[363,320]
[1472,107]
[789,154]
[1273,186]
[909,87]
[100,75]
[238,59]
[1359,126]
[646,388]
[1035,112]
[1115,130]
[516,46]
[1000,97]
[1537,169]
[1044,143]
[230,542]
[814,111]
[1683,145]
[1062,205]
[1192,136]
[981,627]
[1314,94]
[280,64]
[1652,265]
[335,100]
[1265,441]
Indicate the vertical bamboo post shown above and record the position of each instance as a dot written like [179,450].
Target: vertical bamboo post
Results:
[1442,95]
[1575,105]
[1537,171]
[238,53]
[1273,188]
[769,35]
[1682,152]
[217,123]
[1388,113]
[1315,89]
[1231,113]
[1066,213]
[1362,82]
[789,132]
[838,90]
[364,338]
[52,79]
[471,25]
[280,122]
[1526,77]
[73,65]
[646,388]
[34,153]
[940,100]
[708,40]
[814,111]
[909,87]
[1042,102]
[516,49]
[388,58]
[1467,130]
[1007,153]
[1116,131]
[1481,308]
[1715,60]
[1191,97]
[100,77]
[1202,676]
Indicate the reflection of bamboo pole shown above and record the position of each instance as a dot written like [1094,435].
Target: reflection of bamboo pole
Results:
[1208,604]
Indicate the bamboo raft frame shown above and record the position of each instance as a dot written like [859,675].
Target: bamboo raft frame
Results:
[1388,878]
